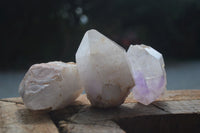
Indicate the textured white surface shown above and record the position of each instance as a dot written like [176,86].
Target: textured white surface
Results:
[50,85]
[180,75]
[147,67]
[103,70]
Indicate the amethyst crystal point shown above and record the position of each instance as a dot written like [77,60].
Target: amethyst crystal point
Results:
[147,67]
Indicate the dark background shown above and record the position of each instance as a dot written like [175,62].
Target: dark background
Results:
[34,31]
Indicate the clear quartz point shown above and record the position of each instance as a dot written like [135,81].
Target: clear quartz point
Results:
[104,70]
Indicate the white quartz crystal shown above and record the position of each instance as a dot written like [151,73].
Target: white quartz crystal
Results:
[103,70]
[50,86]
[147,67]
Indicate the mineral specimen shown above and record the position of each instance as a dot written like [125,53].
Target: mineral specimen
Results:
[50,86]
[104,70]
[147,67]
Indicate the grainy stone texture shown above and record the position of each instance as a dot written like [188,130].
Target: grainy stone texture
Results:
[50,86]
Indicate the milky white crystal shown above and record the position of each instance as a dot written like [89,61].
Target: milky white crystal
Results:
[50,85]
[103,70]
[147,66]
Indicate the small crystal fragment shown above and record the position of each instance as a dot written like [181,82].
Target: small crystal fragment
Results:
[50,86]
[147,67]
[103,70]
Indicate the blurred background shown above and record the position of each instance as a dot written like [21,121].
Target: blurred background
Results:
[38,31]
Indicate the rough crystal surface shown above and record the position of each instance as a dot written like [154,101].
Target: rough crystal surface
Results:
[147,67]
[50,85]
[103,70]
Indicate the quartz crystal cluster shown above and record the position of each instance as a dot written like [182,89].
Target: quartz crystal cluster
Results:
[50,86]
[147,67]
[103,70]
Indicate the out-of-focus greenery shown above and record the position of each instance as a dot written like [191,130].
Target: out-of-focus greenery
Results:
[36,31]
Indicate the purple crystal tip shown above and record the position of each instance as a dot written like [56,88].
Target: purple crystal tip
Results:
[147,67]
